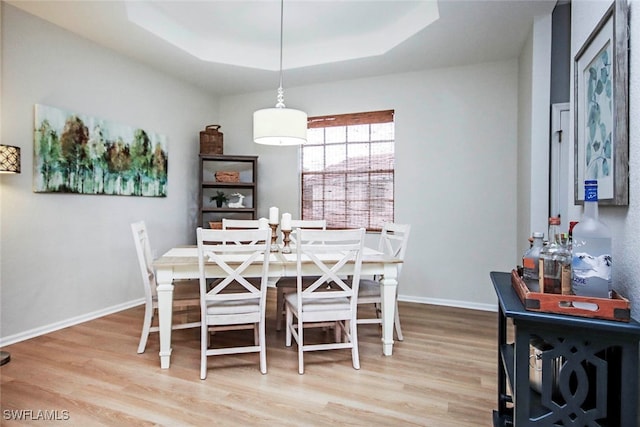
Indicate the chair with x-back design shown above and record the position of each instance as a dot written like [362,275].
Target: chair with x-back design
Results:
[186,294]
[286,285]
[393,242]
[238,300]
[328,298]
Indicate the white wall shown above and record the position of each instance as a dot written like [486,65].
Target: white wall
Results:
[624,221]
[533,134]
[525,107]
[456,145]
[69,257]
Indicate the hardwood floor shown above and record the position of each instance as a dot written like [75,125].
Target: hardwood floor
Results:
[443,374]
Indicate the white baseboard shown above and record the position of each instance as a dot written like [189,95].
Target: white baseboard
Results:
[12,339]
[450,303]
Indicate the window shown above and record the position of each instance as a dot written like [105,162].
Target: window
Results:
[347,169]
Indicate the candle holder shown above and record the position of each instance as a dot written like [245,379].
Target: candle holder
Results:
[286,249]
[274,237]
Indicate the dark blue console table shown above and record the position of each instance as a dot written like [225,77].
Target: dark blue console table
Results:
[596,383]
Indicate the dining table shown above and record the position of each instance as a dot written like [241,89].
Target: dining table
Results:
[181,263]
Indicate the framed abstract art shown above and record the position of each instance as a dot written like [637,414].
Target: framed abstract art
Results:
[81,154]
[602,110]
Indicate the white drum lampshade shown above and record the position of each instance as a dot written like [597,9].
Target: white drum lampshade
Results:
[280,126]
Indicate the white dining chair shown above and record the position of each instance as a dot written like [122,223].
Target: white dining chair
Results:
[244,224]
[286,285]
[186,293]
[237,224]
[393,242]
[315,303]
[237,300]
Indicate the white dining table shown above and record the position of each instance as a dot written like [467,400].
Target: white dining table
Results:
[182,263]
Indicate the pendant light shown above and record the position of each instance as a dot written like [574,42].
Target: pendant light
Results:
[280,125]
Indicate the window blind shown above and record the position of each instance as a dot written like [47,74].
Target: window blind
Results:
[347,169]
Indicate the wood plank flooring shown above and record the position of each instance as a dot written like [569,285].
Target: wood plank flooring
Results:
[443,374]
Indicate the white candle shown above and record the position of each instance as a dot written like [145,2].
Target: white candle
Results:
[273,215]
[286,221]
[263,223]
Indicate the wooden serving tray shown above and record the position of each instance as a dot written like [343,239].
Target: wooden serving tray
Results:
[616,308]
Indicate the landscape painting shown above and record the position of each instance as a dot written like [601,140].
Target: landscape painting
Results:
[76,153]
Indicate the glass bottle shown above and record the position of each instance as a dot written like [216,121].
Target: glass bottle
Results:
[555,262]
[570,244]
[591,261]
[566,272]
[531,259]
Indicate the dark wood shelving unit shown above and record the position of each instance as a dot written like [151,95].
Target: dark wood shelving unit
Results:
[247,167]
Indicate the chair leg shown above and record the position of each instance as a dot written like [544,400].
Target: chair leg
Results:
[256,334]
[204,340]
[288,325]
[340,333]
[355,356]
[300,347]
[263,348]
[279,307]
[397,324]
[146,326]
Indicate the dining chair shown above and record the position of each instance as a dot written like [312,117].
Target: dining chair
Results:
[244,224]
[286,285]
[315,303]
[236,224]
[393,242]
[237,300]
[186,293]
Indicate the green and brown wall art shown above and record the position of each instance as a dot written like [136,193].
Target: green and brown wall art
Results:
[76,153]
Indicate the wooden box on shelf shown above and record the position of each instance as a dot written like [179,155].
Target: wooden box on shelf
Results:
[615,308]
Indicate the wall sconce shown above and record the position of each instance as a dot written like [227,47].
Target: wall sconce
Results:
[9,159]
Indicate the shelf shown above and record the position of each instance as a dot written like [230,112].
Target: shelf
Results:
[507,354]
[228,210]
[215,184]
[227,158]
[245,168]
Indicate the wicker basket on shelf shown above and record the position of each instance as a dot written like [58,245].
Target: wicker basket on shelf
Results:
[215,225]
[227,176]
[211,140]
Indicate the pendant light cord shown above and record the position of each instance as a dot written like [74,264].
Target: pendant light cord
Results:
[280,98]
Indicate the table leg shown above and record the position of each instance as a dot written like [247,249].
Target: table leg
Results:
[388,287]
[165,314]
